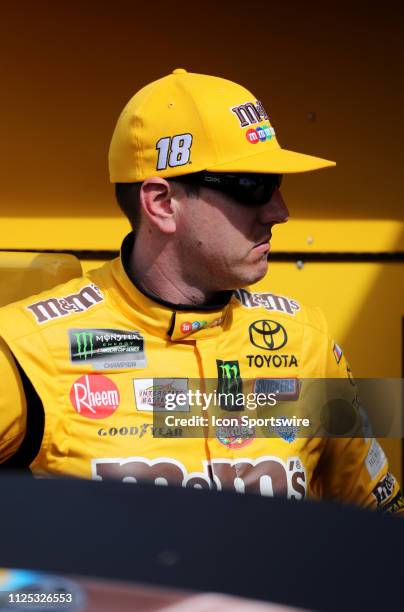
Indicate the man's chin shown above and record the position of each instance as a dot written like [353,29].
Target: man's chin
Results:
[255,273]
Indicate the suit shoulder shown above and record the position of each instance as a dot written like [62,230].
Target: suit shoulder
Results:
[50,307]
[251,304]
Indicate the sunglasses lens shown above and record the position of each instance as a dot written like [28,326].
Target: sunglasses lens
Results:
[246,189]
[256,190]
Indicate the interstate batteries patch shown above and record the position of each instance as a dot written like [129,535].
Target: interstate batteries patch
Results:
[107,349]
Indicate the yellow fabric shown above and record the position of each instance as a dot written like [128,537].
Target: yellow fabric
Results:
[118,442]
[25,273]
[13,414]
[187,122]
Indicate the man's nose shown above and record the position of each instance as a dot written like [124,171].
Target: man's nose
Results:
[274,211]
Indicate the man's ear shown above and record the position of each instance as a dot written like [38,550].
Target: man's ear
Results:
[157,203]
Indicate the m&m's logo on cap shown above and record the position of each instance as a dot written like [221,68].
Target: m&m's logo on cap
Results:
[260,134]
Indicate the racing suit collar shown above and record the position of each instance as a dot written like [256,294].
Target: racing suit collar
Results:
[178,321]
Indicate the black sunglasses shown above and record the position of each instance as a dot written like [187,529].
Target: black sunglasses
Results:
[247,189]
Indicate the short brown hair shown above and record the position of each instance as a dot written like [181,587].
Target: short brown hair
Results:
[128,198]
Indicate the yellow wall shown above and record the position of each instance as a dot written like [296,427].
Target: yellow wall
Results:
[68,67]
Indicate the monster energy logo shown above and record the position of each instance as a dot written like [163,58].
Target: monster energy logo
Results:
[107,349]
[229,381]
[229,371]
[84,344]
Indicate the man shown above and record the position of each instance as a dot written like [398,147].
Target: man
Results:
[88,367]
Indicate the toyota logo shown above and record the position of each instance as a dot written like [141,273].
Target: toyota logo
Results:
[269,335]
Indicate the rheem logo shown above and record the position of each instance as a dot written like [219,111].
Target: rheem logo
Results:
[94,396]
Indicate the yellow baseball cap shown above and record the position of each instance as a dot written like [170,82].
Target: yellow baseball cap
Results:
[187,122]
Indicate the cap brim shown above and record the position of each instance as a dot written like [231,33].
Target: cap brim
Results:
[276,161]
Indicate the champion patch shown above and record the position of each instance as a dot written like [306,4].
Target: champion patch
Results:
[107,349]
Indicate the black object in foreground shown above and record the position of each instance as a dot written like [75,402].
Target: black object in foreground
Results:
[312,555]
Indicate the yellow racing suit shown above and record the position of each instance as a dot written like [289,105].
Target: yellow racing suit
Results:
[96,356]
